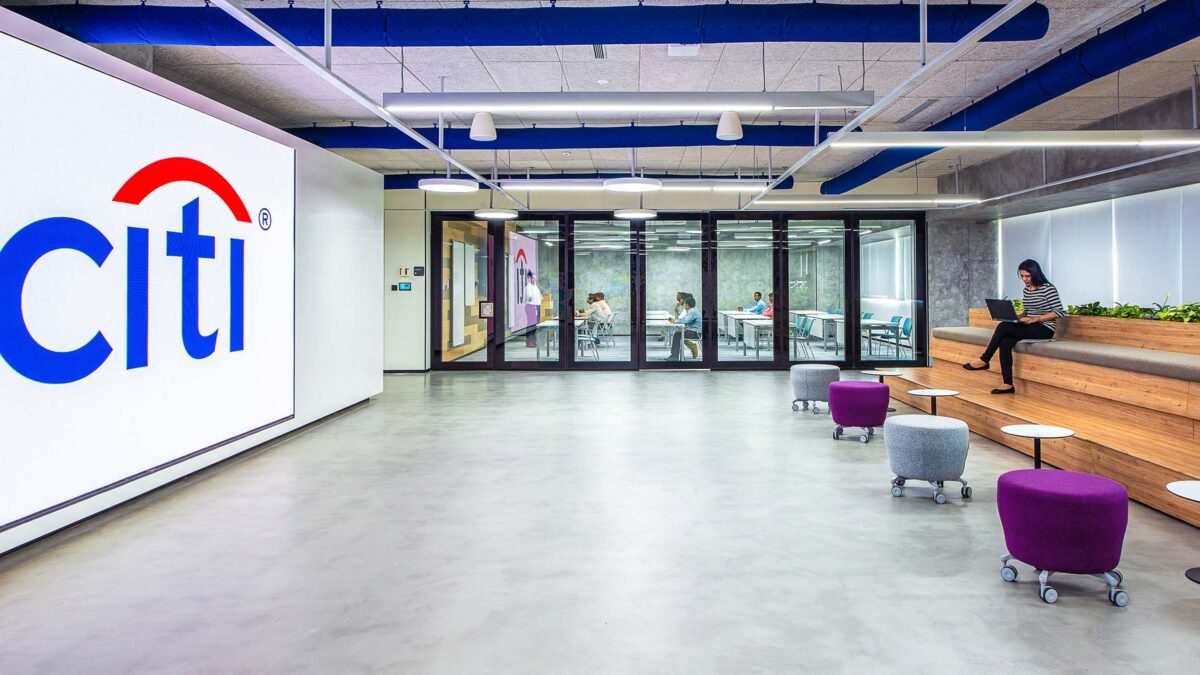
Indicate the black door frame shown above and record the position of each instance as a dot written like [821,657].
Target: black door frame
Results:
[852,356]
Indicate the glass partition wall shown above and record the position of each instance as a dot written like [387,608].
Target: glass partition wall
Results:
[714,290]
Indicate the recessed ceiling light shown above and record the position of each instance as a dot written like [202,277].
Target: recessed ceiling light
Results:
[633,184]
[601,81]
[566,153]
[635,214]
[491,213]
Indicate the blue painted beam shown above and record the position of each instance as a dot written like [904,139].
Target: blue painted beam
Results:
[1154,31]
[548,138]
[691,24]
[408,181]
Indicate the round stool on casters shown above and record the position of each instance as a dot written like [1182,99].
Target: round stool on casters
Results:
[1063,521]
[810,383]
[927,448]
[858,404]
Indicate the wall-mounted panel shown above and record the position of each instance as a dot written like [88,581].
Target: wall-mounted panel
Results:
[1146,247]
[1189,249]
[1021,238]
[1081,244]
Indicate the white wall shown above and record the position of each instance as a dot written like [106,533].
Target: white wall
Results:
[339,256]
[406,313]
[1139,249]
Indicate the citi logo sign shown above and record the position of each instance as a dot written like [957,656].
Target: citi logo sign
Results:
[21,253]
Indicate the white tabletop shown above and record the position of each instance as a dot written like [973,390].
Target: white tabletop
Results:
[1037,431]
[933,392]
[657,314]
[661,323]
[1188,489]
[759,321]
[737,312]
[885,373]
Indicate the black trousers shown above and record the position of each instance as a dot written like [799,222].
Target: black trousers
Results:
[677,342]
[1006,336]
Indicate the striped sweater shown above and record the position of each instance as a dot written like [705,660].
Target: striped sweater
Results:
[1043,300]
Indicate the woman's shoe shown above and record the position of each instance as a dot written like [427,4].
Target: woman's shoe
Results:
[968,366]
[1010,390]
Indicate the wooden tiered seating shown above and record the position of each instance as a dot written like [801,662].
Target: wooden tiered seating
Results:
[1141,430]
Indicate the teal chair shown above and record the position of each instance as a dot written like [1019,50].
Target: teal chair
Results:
[801,333]
[906,335]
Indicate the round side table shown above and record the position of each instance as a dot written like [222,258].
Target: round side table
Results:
[934,395]
[1188,489]
[882,374]
[1037,432]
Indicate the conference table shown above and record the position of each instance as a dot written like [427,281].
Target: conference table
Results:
[752,329]
[730,320]
[666,327]
[832,320]
[548,328]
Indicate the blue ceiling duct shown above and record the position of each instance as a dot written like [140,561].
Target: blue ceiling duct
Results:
[408,181]
[548,138]
[474,27]
[1156,30]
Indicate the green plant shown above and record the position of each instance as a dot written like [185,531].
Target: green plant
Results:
[1090,309]
[1186,313]
[1018,306]
[1124,311]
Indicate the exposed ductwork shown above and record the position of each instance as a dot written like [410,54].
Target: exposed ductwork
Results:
[408,181]
[475,27]
[549,138]
[1156,30]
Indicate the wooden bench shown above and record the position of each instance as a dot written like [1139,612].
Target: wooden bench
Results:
[1139,428]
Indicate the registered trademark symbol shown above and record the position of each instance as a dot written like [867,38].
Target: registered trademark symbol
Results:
[264,219]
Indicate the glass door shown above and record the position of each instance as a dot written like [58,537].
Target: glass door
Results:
[601,262]
[887,290]
[535,322]
[816,290]
[746,291]
[672,265]
[462,329]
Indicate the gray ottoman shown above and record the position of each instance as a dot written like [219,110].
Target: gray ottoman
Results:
[927,448]
[810,383]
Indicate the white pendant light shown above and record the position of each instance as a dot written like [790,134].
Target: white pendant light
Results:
[730,126]
[495,213]
[633,184]
[447,185]
[483,127]
[635,214]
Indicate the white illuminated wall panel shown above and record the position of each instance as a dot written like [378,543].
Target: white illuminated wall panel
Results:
[1146,247]
[1081,247]
[1189,252]
[1021,238]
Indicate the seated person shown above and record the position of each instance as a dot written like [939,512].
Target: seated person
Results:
[589,309]
[691,330]
[605,310]
[759,306]
[769,312]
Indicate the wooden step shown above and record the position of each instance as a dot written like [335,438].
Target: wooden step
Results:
[1164,394]
[1142,458]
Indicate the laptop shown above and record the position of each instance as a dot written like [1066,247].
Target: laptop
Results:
[1002,310]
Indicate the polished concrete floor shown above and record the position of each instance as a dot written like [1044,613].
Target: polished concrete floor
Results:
[668,522]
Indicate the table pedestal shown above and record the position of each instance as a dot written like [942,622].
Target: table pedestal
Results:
[1037,453]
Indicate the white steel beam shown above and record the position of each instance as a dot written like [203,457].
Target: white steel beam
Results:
[915,80]
[270,35]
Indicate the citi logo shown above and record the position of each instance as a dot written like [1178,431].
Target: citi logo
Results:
[22,351]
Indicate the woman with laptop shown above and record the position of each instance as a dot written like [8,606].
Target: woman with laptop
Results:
[1036,322]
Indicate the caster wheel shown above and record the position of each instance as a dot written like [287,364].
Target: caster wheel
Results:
[870,431]
[815,409]
[939,498]
[864,438]
[1120,577]
[1008,573]
[806,405]
[795,407]
[836,435]
[1050,596]
[899,481]
[966,493]
[897,491]
[1118,598]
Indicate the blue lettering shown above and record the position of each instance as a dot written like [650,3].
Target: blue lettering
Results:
[190,246]
[137,298]
[18,348]
[237,294]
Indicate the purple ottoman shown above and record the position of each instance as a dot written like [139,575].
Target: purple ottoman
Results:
[1063,521]
[858,404]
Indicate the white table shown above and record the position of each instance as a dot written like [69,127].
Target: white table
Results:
[752,327]
[1188,489]
[731,317]
[667,327]
[934,395]
[659,314]
[550,326]
[1037,432]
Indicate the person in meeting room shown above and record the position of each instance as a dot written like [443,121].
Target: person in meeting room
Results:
[758,307]
[679,309]
[769,312]
[690,322]
[605,310]
[596,310]
[533,309]
[1037,322]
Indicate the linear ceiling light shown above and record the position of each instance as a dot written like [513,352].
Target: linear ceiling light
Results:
[870,201]
[1017,139]
[668,185]
[638,101]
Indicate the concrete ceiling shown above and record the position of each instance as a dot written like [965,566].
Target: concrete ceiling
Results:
[265,83]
